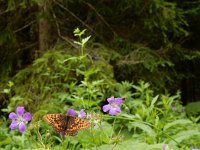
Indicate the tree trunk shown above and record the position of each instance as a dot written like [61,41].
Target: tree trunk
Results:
[44,25]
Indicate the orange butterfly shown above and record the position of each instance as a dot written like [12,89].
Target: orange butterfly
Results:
[66,124]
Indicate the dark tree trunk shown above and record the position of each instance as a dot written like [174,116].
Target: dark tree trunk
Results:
[44,25]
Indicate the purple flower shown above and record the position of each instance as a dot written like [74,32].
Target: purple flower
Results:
[19,119]
[114,106]
[71,112]
[82,114]
[194,149]
[173,107]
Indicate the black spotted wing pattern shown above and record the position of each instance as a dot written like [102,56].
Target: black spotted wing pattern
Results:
[66,124]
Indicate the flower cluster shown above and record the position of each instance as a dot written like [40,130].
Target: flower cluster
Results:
[19,119]
[113,108]
[72,112]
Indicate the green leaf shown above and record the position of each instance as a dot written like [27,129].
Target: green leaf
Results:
[84,40]
[7,91]
[144,127]
[10,84]
[184,135]
[176,122]
[126,145]
[78,43]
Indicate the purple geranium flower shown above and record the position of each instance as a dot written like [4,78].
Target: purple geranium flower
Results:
[114,106]
[82,113]
[194,149]
[19,119]
[72,112]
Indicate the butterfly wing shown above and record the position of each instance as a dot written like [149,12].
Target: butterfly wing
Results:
[66,124]
[75,124]
[57,121]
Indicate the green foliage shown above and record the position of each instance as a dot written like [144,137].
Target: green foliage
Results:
[146,120]
[144,40]
[193,108]
[144,43]
[143,62]
[166,18]
[154,118]
[61,77]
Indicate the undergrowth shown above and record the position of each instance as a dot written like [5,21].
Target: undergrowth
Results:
[60,80]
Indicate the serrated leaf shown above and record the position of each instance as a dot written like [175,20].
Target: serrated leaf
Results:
[84,40]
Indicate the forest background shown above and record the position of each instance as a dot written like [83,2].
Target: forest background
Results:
[153,43]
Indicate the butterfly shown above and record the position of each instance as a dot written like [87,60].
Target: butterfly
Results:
[66,124]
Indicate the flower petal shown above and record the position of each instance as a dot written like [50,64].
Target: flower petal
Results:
[111,99]
[118,101]
[173,107]
[27,116]
[106,108]
[22,127]
[114,111]
[13,125]
[117,109]
[71,112]
[12,116]
[20,110]
[82,113]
